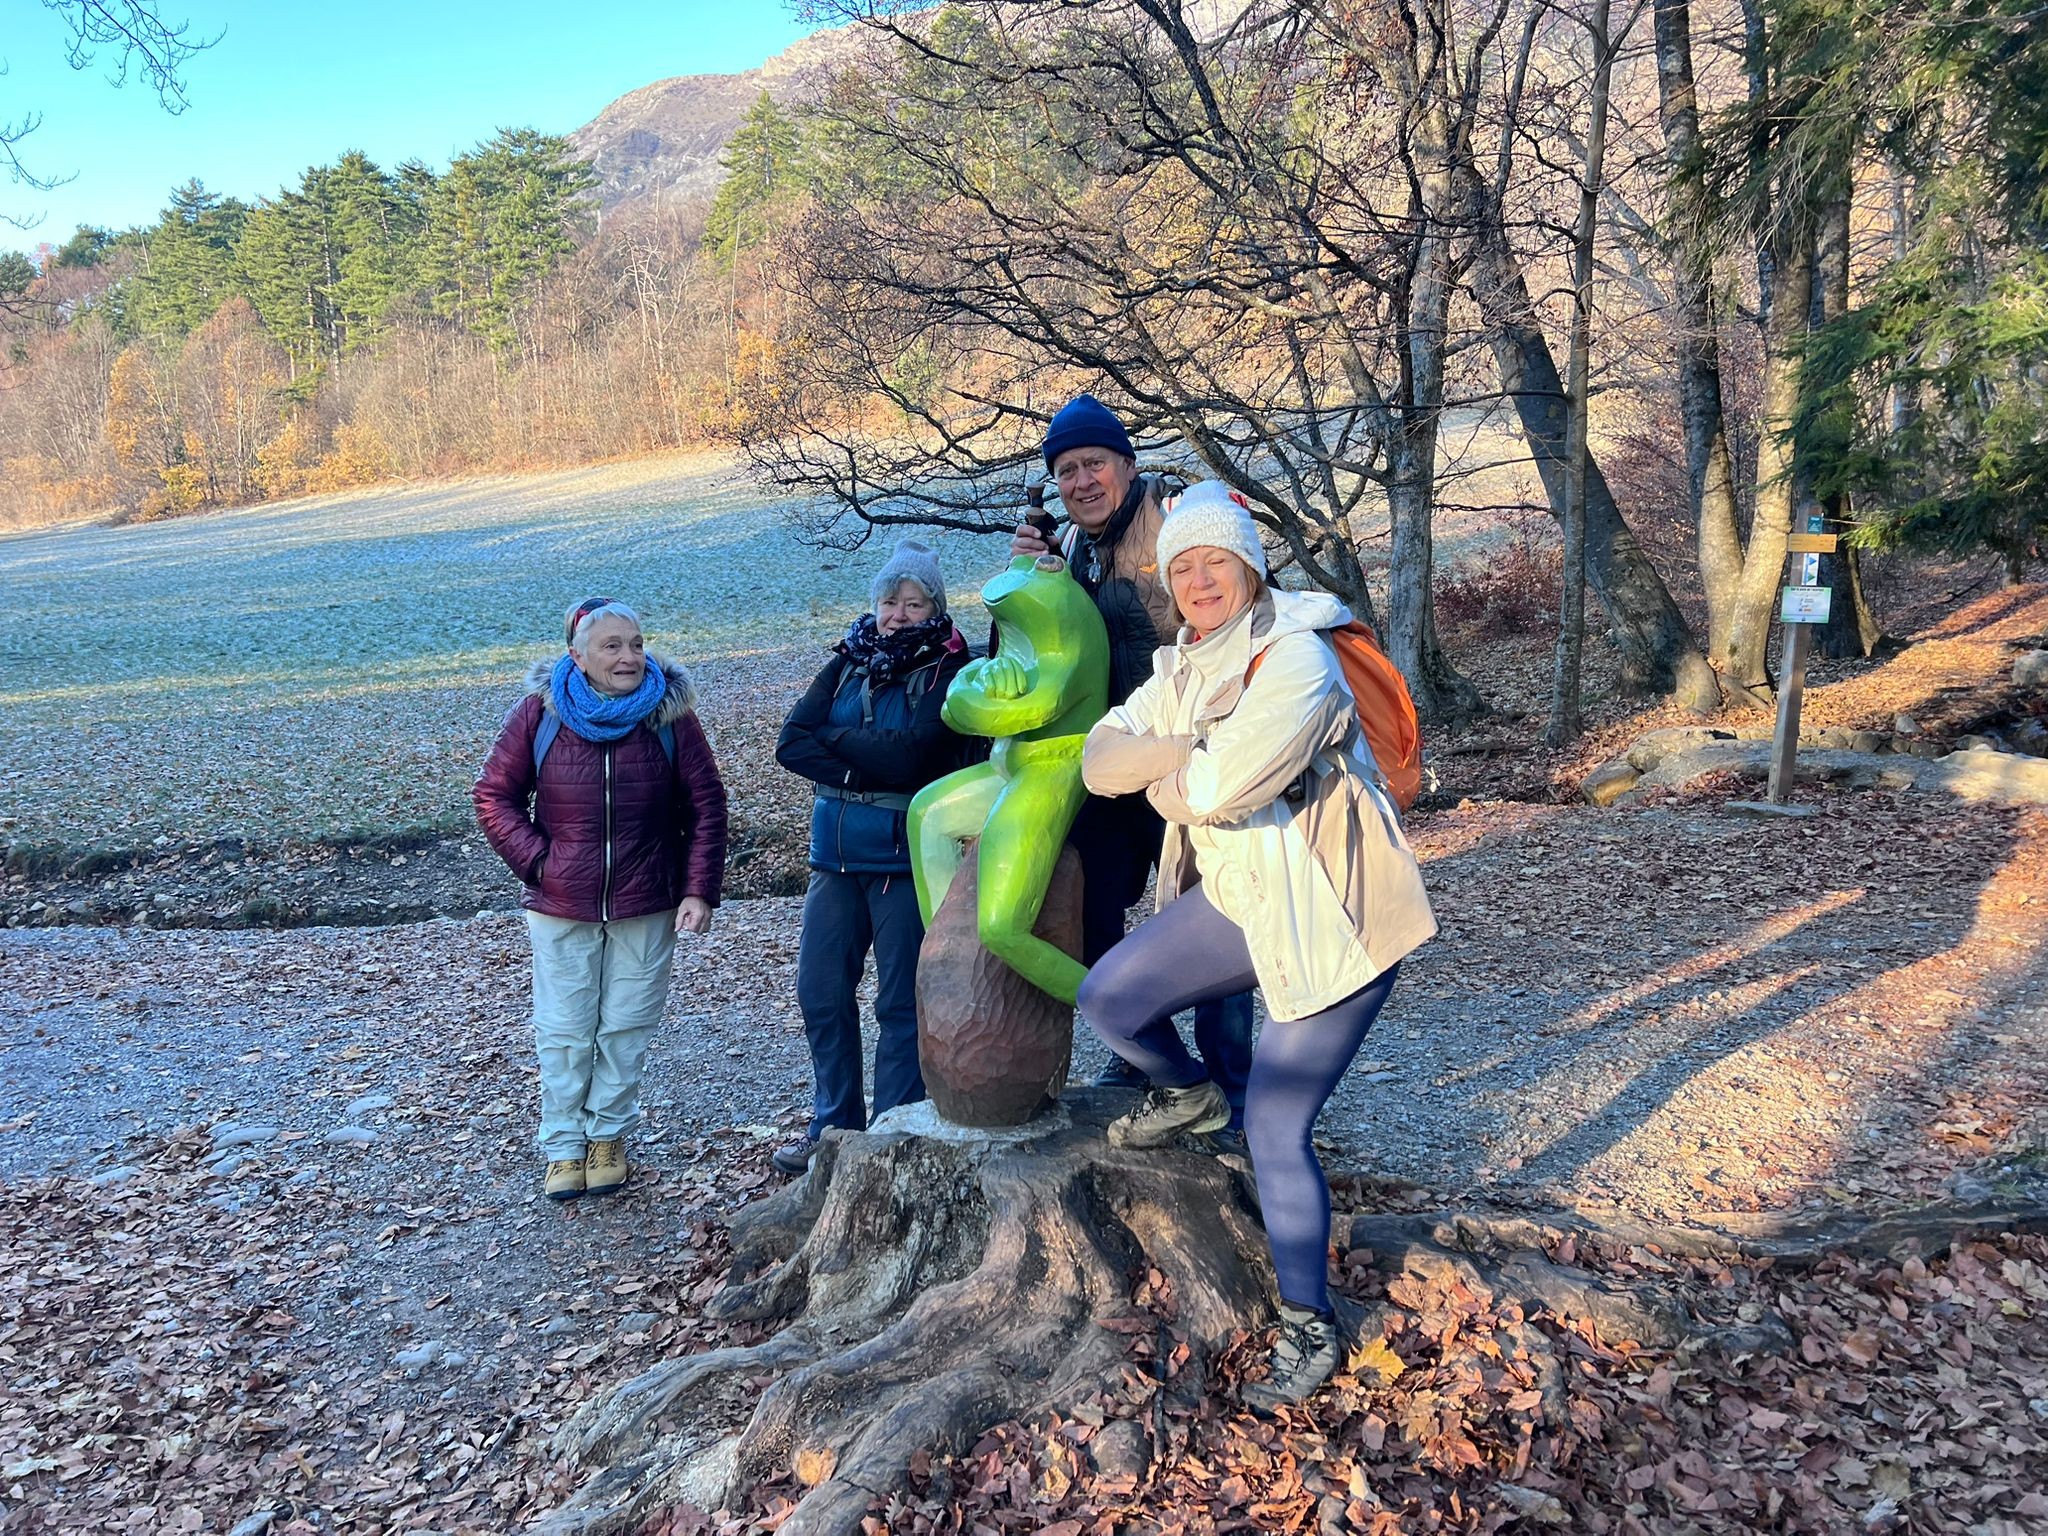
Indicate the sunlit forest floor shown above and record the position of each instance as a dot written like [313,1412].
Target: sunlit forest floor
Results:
[271,1233]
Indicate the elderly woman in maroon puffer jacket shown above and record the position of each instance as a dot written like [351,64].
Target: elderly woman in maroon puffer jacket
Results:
[602,796]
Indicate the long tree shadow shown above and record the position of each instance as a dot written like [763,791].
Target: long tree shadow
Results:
[1682,1008]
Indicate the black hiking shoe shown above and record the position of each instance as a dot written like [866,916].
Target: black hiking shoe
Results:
[1170,1112]
[1118,1073]
[1306,1354]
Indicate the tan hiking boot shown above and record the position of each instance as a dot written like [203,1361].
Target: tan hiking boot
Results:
[1167,1113]
[565,1178]
[604,1166]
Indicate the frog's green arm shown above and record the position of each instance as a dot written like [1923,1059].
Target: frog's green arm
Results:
[972,712]
[1063,699]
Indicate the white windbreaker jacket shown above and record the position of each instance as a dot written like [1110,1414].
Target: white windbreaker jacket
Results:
[1272,800]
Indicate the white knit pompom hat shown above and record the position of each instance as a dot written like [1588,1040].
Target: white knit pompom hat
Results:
[1212,514]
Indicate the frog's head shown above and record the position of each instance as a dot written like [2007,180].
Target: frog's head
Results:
[1038,598]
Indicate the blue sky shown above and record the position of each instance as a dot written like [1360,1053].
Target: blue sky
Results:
[291,85]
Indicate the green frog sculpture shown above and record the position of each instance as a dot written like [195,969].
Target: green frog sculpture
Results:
[987,1048]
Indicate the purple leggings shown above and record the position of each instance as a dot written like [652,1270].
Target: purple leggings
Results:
[1188,954]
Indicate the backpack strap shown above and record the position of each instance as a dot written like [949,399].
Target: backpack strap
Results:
[919,683]
[551,726]
[544,737]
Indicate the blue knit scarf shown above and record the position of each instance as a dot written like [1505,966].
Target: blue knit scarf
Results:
[604,716]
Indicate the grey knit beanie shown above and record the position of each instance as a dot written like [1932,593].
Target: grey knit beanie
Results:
[1211,514]
[911,561]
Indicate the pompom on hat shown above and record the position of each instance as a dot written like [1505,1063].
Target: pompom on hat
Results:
[1211,514]
[1085,422]
[911,561]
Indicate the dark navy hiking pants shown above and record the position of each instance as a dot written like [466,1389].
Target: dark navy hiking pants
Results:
[844,915]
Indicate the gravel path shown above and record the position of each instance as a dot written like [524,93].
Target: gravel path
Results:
[1640,1007]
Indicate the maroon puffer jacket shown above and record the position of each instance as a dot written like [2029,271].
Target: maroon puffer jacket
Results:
[614,830]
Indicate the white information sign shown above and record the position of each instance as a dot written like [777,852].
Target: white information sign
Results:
[1809,570]
[1805,605]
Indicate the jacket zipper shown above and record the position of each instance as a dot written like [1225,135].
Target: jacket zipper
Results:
[604,900]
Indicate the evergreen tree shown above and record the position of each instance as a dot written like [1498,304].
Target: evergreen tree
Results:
[372,222]
[16,273]
[501,220]
[87,247]
[1928,401]
[765,170]
[187,268]
[282,259]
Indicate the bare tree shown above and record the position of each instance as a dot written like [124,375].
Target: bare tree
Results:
[1691,247]
[1656,645]
[1246,238]
[1565,715]
[134,37]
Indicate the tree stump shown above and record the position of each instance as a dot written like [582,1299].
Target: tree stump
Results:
[994,1048]
[929,1285]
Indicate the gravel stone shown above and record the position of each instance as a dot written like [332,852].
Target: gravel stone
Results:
[227,1136]
[419,1357]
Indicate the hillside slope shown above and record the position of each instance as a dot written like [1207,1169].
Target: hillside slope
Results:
[659,146]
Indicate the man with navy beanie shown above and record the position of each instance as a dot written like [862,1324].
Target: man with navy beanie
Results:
[1111,543]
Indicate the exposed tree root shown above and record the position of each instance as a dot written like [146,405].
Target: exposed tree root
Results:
[931,1283]
[931,1286]
[1504,1255]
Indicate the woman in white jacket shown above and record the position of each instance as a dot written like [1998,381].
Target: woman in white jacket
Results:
[1284,866]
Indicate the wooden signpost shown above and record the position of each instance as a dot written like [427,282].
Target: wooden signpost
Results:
[1804,603]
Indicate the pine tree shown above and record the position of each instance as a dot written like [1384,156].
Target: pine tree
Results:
[372,222]
[765,168]
[281,257]
[87,247]
[1928,400]
[187,269]
[501,220]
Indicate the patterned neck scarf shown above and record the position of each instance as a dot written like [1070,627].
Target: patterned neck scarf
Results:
[887,658]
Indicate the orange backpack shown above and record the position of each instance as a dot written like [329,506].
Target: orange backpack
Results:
[1385,711]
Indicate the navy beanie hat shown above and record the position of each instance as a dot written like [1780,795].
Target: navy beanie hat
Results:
[1085,422]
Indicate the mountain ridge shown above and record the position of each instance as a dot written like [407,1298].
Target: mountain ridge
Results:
[657,146]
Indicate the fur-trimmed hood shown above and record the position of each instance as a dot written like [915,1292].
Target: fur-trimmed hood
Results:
[680,700]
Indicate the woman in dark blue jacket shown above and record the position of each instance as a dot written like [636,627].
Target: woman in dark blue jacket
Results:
[869,736]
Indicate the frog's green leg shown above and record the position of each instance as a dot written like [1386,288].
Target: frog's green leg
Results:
[1019,847]
[943,816]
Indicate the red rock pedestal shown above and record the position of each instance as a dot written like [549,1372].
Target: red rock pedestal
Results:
[994,1048]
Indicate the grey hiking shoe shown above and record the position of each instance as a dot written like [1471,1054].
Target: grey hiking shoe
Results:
[794,1158]
[1305,1355]
[1170,1112]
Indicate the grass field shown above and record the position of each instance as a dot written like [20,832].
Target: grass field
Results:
[335,667]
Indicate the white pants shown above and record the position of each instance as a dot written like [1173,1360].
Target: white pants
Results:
[598,991]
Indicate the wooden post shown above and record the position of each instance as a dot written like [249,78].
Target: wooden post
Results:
[1805,604]
[1791,690]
